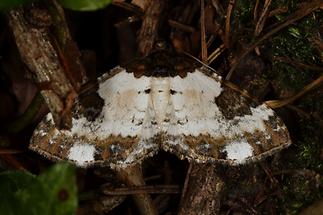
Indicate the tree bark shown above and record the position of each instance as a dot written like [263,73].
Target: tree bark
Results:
[202,191]
[50,55]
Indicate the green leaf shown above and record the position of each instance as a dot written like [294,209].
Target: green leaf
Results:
[51,193]
[11,182]
[60,184]
[84,5]
[8,4]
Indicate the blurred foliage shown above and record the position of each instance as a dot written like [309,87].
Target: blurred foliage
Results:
[79,5]
[7,4]
[299,192]
[243,12]
[295,42]
[24,120]
[84,5]
[307,148]
[51,193]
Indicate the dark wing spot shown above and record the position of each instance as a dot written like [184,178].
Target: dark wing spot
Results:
[89,106]
[147,91]
[173,92]
[232,104]
[139,123]
[182,122]
[153,122]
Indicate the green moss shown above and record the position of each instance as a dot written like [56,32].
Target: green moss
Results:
[290,78]
[312,103]
[295,44]
[308,147]
[244,12]
[298,191]
[290,4]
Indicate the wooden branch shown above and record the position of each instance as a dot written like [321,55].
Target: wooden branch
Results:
[263,17]
[132,176]
[149,30]
[228,23]
[157,189]
[52,58]
[202,191]
[280,103]
[204,54]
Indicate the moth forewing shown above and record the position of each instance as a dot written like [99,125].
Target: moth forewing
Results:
[190,113]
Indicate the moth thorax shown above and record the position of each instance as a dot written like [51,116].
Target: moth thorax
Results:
[160,94]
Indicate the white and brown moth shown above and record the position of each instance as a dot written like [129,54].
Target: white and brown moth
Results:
[163,102]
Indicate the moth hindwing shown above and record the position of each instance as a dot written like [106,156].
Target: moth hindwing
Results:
[168,105]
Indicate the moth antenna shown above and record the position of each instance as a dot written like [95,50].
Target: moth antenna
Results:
[201,62]
[88,87]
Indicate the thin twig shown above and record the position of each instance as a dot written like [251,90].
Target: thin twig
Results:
[181,26]
[278,11]
[149,31]
[218,7]
[187,178]
[12,161]
[132,176]
[305,114]
[297,64]
[262,19]
[203,192]
[158,189]
[280,103]
[255,10]
[215,54]
[203,34]
[9,151]
[299,14]
[228,23]
[130,7]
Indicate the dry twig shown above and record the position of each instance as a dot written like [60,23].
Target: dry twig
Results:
[203,34]
[202,190]
[299,14]
[132,176]
[262,19]
[158,189]
[54,59]
[280,103]
[149,30]
[228,23]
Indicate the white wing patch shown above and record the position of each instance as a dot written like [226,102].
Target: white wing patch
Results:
[82,153]
[197,112]
[126,103]
[238,151]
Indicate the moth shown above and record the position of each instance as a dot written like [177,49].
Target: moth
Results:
[163,102]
